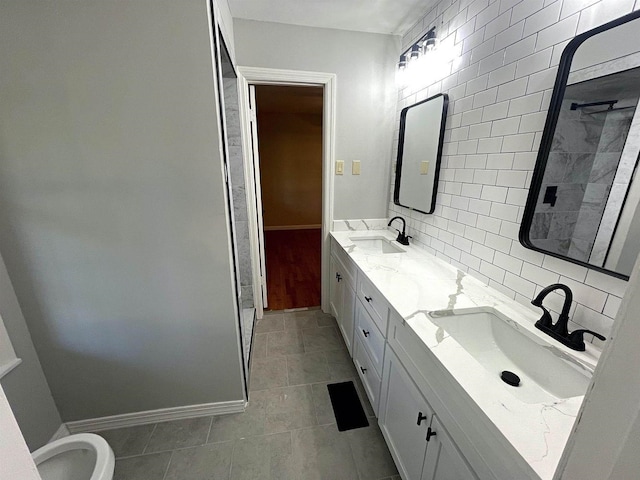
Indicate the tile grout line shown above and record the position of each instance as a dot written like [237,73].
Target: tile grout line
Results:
[146,445]
[209,431]
[166,471]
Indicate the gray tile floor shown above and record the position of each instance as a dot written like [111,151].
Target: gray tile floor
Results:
[288,430]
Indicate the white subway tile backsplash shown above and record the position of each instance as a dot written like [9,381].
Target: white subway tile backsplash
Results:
[471,190]
[517,196]
[502,75]
[532,122]
[603,12]
[608,283]
[525,9]
[488,14]
[538,275]
[521,49]
[480,130]
[511,178]
[507,126]
[508,262]
[489,145]
[504,211]
[468,146]
[513,89]
[498,242]
[494,194]
[525,160]
[500,161]
[491,271]
[520,285]
[491,63]
[486,97]
[509,36]
[472,116]
[586,295]
[498,25]
[527,104]
[558,32]
[522,142]
[571,270]
[612,306]
[476,7]
[495,111]
[542,19]
[481,51]
[477,84]
[485,177]
[534,63]
[569,7]
[500,89]
[482,207]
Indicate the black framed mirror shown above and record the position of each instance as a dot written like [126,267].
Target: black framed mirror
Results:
[419,153]
[583,205]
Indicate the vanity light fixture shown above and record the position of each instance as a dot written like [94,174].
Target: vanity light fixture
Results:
[415,52]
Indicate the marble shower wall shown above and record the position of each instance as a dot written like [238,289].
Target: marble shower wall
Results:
[236,166]
[582,164]
[499,89]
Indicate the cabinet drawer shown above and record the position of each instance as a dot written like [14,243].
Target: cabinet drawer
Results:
[345,264]
[370,378]
[370,336]
[374,302]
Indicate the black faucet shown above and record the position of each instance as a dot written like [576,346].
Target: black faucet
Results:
[402,237]
[559,330]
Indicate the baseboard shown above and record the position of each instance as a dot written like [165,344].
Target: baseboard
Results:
[62,432]
[293,227]
[155,416]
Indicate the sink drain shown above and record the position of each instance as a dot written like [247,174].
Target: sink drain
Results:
[510,378]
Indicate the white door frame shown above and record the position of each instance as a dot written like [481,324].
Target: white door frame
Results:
[270,76]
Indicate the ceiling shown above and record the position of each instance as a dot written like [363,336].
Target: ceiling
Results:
[373,16]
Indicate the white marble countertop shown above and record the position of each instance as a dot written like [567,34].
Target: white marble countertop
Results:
[415,283]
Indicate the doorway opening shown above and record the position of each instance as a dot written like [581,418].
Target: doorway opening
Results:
[290,151]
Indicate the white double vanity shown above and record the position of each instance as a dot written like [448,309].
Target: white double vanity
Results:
[430,344]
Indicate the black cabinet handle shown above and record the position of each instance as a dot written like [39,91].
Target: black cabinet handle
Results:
[430,433]
[366,334]
[368,299]
[338,276]
[363,370]
[421,417]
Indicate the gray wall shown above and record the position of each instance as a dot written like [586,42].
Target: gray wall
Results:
[25,386]
[365,68]
[112,208]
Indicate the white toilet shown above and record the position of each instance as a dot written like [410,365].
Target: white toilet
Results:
[83,456]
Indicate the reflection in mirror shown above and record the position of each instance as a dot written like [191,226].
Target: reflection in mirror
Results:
[583,202]
[419,153]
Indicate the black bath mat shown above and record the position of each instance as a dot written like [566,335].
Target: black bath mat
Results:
[347,406]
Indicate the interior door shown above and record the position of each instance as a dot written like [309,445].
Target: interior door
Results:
[258,193]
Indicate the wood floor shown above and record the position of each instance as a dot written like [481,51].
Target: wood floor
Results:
[293,268]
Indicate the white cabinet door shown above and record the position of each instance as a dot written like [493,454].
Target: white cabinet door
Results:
[335,293]
[346,319]
[404,417]
[443,460]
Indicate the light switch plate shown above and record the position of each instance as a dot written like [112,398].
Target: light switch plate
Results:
[339,167]
[355,167]
[424,168]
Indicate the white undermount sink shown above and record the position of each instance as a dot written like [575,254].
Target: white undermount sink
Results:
[498,343]
[376,245]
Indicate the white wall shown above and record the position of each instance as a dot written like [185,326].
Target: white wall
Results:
[112,208]
[16,459]
[25,386]
[499,92]
[364,65]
